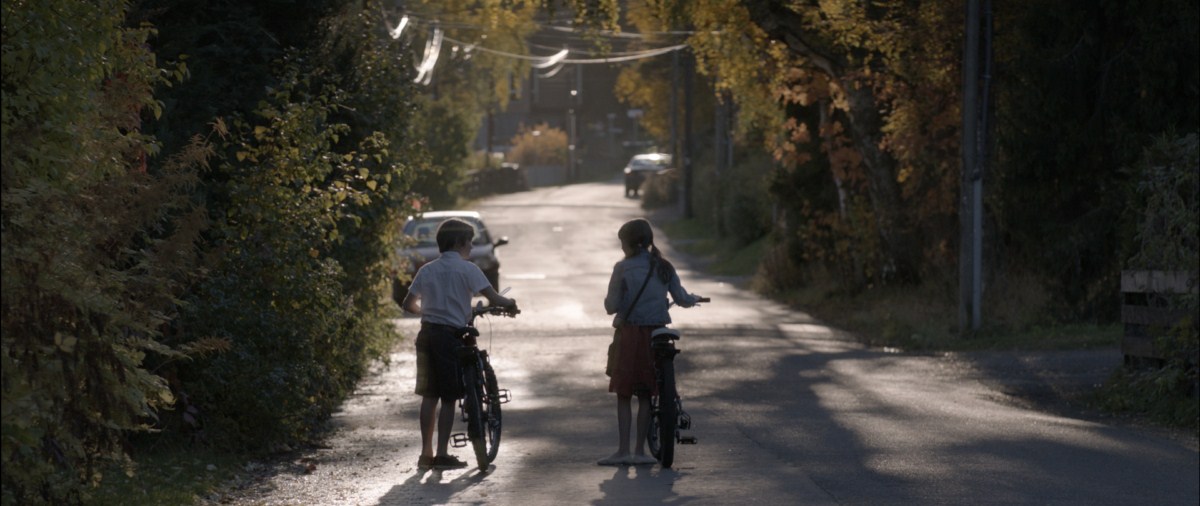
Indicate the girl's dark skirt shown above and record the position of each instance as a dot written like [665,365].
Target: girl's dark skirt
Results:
[634,370]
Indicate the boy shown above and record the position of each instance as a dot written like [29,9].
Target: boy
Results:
[444,288]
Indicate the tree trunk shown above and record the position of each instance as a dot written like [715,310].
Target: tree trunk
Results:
[900,252]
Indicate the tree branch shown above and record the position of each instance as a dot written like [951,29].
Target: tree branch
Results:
[785,25]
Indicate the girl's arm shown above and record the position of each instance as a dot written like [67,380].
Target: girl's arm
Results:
[612,300]
[681,297]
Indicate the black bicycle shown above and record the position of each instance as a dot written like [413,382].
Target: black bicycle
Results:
[483,396]
[667,416]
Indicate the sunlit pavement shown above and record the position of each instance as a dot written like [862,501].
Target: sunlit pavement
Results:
[786,409]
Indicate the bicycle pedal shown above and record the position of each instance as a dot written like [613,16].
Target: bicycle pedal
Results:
[459,440]
[504,395]
[685,421]
[687,440]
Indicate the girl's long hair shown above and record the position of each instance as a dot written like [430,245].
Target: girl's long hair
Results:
[638,234]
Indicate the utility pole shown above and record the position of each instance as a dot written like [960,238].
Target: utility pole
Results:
[686,191]
[974,160]
[676,157]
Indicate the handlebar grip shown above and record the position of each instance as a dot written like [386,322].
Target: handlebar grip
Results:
[703,299]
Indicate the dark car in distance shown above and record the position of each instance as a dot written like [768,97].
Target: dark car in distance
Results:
[423,248]
[641,167]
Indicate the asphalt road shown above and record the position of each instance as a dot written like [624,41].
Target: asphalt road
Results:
[786,409]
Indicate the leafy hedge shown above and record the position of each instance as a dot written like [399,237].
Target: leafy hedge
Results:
[233,289]
[302,325]
[96,249]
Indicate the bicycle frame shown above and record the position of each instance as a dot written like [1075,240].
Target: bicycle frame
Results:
[482,396]
[667,416]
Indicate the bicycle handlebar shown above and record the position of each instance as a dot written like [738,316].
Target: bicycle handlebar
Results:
[495,310]
[703,299]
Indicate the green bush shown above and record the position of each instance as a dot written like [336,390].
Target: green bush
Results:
[96,248]
[1166,211]
[660,190]
[746,214]
[296,214]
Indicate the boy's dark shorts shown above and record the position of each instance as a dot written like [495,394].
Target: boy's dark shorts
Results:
[438,371]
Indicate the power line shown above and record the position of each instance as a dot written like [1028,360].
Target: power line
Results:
[433,47]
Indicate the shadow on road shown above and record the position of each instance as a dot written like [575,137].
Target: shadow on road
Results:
[640,485]
[427,487]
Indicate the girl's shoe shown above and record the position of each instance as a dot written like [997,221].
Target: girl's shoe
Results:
[614,460]
[639,460]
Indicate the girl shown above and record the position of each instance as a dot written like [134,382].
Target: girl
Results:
[633,371]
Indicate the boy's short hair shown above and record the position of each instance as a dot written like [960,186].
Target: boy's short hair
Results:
[453,233]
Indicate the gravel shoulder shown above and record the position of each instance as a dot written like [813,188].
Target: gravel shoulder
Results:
[1058,382]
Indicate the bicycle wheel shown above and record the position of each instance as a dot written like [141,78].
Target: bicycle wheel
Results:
[491,407]
[668,414]
[473,402]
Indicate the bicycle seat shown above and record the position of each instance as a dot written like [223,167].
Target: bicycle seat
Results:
[669,333]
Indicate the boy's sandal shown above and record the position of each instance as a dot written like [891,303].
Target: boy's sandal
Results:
[448,462]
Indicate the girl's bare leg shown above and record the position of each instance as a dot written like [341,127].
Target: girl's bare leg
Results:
[643,423]
[624,418]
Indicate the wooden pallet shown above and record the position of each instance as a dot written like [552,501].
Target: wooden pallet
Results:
[1149,310]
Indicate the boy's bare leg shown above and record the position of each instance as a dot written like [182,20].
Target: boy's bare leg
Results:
[428,410]
[445,425]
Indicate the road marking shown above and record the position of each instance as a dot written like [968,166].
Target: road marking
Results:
[530,275]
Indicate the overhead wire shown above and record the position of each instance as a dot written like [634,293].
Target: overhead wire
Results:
[555,61]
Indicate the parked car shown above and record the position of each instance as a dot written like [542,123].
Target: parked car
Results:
[423,247]
[641,167]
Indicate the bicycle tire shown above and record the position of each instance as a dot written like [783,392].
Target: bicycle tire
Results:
[668,414]
[491,406]
[473,402]
[652,430]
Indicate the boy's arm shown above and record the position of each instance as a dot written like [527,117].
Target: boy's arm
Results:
[410,303]
[495,299]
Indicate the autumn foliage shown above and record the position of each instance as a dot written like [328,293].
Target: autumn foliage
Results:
[859,105]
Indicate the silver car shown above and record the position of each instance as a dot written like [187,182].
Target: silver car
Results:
[423,230]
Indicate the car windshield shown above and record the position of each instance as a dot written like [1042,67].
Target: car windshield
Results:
[424,230]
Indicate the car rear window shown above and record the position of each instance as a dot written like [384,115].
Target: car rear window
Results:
[424,230]
[647,164]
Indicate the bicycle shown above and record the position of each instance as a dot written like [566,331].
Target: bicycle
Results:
[481,403]
[667,416]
